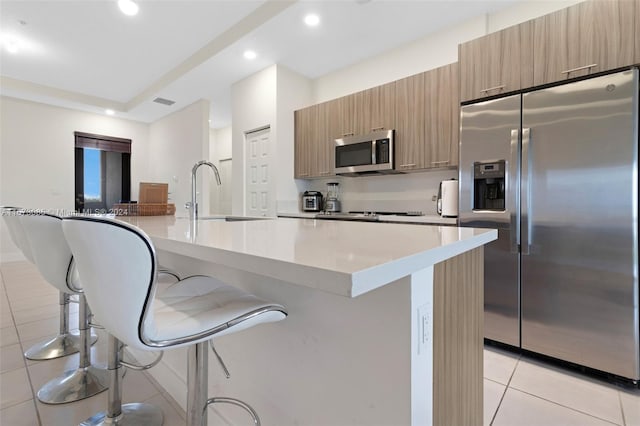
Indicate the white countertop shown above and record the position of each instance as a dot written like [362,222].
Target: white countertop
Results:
[425,219]
[343,257]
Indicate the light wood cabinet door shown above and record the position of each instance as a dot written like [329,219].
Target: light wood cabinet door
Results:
[614,40]
[636,59]
[367,111]
[351,116]
[322,161]
[305,121]
[314,143]
[410,123]
[587,38]
[497,63]
[379,108]
[442,108]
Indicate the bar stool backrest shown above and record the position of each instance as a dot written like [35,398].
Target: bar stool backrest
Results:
[51,253]
[12,220]
[117,264]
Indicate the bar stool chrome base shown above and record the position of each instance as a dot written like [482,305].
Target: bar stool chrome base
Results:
[65,343]
[74,385]
[134,414]
[59,346]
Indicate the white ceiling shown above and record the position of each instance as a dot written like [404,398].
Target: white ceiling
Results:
[88,55]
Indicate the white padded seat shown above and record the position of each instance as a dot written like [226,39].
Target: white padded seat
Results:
[204,303]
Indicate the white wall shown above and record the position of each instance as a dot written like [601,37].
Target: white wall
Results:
[253,105]
[524,11]
[294,92]
[220,148]
[178,142]
[430,52]
[267,98]
[37,156]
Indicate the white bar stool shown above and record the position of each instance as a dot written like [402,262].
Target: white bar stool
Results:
[121,288]
[53,259]
[65,343]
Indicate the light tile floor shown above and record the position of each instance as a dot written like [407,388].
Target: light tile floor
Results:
[518,391]
[28,315]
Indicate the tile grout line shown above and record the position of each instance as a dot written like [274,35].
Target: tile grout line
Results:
[565,406]
[624,420]
[493,418]
[24,360]
[568,408]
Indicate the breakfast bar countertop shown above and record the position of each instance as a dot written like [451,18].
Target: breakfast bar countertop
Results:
[345,258]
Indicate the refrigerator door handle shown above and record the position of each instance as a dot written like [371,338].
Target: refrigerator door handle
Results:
[514,191]
[525,204]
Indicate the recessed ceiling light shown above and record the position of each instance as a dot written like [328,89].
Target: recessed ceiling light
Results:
[109,111]
[250,54]
[312,20]
[128,7]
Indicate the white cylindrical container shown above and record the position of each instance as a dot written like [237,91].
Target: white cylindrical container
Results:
[449,198]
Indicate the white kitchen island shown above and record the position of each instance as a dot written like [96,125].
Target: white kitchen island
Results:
[385,321]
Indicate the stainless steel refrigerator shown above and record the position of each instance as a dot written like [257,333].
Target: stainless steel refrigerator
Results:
[556,172]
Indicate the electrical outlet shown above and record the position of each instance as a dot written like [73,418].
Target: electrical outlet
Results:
[434,198]
[424,327]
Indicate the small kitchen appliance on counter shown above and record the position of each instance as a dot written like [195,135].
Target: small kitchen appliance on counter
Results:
[311,201]
[447,204]
[332,203]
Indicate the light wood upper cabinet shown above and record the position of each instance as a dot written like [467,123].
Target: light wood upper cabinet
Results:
[305,124]
[587,38]
[367,111]
[427,111]
[410,123]
[442,108]
[324,151]
[497,63]
[313,145]
[636,59]
[379,108]
[614,23]
[351,115]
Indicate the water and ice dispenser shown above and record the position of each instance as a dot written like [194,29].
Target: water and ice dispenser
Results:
[489,185]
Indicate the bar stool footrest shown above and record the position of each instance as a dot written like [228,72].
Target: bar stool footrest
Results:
[236,402]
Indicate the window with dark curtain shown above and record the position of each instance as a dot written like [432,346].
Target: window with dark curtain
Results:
[102,172]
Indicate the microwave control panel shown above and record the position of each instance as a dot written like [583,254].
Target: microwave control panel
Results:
[382,151]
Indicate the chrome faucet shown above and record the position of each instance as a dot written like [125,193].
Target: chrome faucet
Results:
[193,206]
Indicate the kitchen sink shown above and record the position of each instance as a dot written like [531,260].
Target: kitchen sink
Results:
[242,218]
[228,218]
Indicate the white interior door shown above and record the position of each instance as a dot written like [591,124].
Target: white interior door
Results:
[259,174]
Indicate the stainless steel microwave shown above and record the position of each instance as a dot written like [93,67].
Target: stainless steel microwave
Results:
[365,154]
